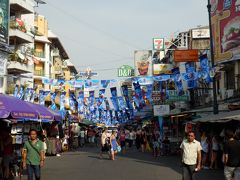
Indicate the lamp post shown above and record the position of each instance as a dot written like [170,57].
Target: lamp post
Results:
[215,103]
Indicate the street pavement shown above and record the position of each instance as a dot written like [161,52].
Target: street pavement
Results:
[85,164]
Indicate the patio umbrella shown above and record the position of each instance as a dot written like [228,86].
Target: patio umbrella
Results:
[15,108]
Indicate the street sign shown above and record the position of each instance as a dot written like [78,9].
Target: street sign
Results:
[186,55]
[125,71]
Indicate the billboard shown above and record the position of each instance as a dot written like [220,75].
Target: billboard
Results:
[226,29]
[158,44]
[186,55]
[162,69]
[4,19]
[143,62]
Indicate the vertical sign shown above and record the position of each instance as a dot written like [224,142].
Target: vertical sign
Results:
[158,44]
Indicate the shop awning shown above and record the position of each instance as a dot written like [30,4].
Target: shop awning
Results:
[11,106]
[221,117]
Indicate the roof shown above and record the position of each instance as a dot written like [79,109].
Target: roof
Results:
[56,41]
[221,117]
[71,66]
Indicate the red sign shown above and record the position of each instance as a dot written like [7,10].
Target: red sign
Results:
[226,29]
[186,55]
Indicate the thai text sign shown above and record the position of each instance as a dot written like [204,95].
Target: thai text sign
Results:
[186,55]
[161,110]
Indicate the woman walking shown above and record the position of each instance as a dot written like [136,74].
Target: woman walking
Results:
[114,145]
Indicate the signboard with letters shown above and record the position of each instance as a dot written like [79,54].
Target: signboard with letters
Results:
[186,55]
[161,110]
[200,33]
[125,71]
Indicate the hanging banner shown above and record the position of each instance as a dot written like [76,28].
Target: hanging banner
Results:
[107,104]
[62,104]
[162,77]
[144,80]
[226,31]
[16,91]
[204,73]
[72,100]
[20,94]
[178,81]
[122,103]
[79,84]
[93,84]
[101,98]
[143,63]
[27,94]
[42,96]
[33,95]
[53,97]
[191,71]
[139,94]
[81,102]
[149,93]
[114,98]
[105,83]
[91,101]
[126,96]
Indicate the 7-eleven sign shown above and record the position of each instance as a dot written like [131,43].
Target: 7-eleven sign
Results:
[158,44]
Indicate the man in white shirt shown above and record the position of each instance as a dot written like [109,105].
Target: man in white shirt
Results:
[191,157]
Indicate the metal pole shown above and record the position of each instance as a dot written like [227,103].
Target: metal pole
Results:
[215,103]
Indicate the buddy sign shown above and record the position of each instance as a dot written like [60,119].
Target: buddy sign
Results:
[125,71]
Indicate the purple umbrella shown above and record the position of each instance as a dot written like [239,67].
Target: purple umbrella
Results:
[11,106]
[43,112]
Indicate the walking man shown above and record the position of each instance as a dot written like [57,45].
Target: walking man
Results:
[231,157]
[191,157]
[105,143]
[33,156]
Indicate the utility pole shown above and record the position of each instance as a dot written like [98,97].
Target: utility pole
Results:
[215,103]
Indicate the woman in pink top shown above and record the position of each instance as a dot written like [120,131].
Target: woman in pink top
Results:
[122,140]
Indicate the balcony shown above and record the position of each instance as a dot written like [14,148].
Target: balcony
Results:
[16,68]
[38,72]
[18,33]
[39,54]
[21,6]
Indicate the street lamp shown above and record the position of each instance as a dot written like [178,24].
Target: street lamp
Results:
[215,103]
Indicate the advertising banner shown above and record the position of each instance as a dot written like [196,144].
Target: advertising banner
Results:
[178,81]
[144,80]
[101,99]
[162,69]
[186,55]
[53,97]
[4,20]
[143,63]
[226,29]
[139,94]
[158,44]
[114,98]
[81,102]
[191,71]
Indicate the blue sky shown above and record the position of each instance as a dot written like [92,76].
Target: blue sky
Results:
[104,34]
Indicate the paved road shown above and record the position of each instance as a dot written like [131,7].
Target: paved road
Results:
[86,165]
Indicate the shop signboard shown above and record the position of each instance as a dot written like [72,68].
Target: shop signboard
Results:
[161,110]
[200,33]
[4,20]
[186,55]
[162,69]
[143,63]
[173,96]
[125,71]
[158,44]
[226,29]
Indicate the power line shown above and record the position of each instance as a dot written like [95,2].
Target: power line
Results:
[94,27]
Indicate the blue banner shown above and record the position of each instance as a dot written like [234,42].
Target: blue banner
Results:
[62,104]
[42,96]
[81,102]
[161,78]
[204,73]
[101,99]
[114,98]
[72,100]
[20,94]
[105,83]
[178,81]
[149,93]
[139,94]
[191,75]
[122,103]
[53,97]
